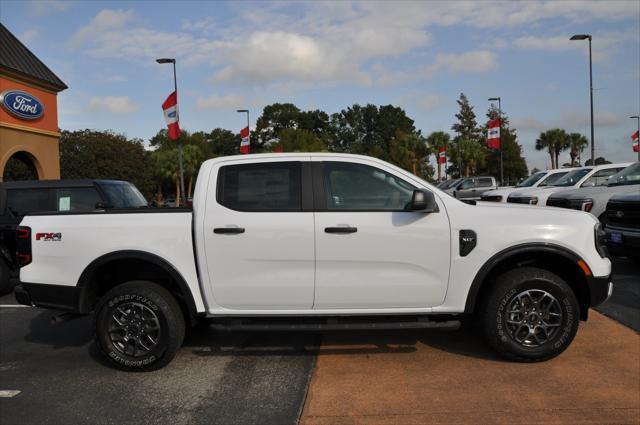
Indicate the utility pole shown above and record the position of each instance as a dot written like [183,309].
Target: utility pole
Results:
[588,37]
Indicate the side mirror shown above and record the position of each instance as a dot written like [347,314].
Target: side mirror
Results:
[589,184]
[424,201]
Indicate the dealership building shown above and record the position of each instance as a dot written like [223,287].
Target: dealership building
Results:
[29,133]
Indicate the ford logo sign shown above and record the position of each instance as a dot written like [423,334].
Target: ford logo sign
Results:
[21,104]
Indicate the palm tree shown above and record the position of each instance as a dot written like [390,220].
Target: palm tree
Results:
[554,141]
[471,155]
[544,142]
[435,141]
[577,143]
[192,159]
[167,166]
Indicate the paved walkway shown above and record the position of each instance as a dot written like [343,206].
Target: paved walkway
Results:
[445,378]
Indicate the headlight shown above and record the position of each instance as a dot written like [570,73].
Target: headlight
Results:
[587,204]
[600,240]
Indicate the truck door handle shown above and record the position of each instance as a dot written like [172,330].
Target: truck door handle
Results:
[228,230]
[341,229]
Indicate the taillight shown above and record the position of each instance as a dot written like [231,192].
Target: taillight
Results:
[23,246]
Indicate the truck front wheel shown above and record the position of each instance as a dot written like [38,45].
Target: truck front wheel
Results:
[139,326]
[530,315]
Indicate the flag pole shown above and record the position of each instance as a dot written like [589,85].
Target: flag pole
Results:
[637,117]
[501,144]
[183,196]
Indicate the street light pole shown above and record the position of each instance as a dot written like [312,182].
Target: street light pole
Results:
[183,196]
[588,37]
[637,117]
[501,144]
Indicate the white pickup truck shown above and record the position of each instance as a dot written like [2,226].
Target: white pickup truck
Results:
[316,242]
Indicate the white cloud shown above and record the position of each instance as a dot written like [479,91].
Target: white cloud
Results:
[228,101]
[332,42]
[116,105]
[469,62]
[29,35]
[604,44]
[104,22]
[40,8]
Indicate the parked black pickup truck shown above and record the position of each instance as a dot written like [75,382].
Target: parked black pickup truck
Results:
[623,225]
[21,197]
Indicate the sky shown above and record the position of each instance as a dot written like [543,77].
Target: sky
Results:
[418,55]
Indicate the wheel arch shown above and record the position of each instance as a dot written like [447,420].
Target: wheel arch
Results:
[551,257]
[115,268]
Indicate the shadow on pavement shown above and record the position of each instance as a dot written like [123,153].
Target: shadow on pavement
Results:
[74,333]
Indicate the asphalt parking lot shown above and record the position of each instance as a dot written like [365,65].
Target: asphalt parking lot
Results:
[354,377]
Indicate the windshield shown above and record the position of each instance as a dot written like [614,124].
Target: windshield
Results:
[630,175]
[552,179]
[531,180]
[123,195]
[572,178]
[449,183]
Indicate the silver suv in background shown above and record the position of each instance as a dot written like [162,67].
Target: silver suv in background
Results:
[472,187]
[594,199]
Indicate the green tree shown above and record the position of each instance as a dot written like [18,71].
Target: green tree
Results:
[300,140]
[92,154]
[514,164]
[221,142]
[467,130]
[554,141]
[577,144]
[467,126]
[435,141]
[274,119]
[470,154]
[384,132]
[167,168]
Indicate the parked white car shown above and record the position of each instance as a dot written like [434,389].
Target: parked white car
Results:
[581,177]
[539,179]
[594,199]
[316,241]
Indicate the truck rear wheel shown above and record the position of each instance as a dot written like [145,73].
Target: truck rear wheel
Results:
[530,315]
[139,326]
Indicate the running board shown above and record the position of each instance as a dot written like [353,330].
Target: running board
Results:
[333,325]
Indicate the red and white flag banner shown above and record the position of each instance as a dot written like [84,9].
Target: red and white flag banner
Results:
[493,134]
[442,155]
[245,145]
[635,138]
[170,109]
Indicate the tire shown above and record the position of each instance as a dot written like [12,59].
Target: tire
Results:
[139,326]
[5,284]
[512,300]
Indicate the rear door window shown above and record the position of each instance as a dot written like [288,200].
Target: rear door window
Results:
[77,199]
[261,187]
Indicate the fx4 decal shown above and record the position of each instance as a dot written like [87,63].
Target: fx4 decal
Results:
[55,237]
